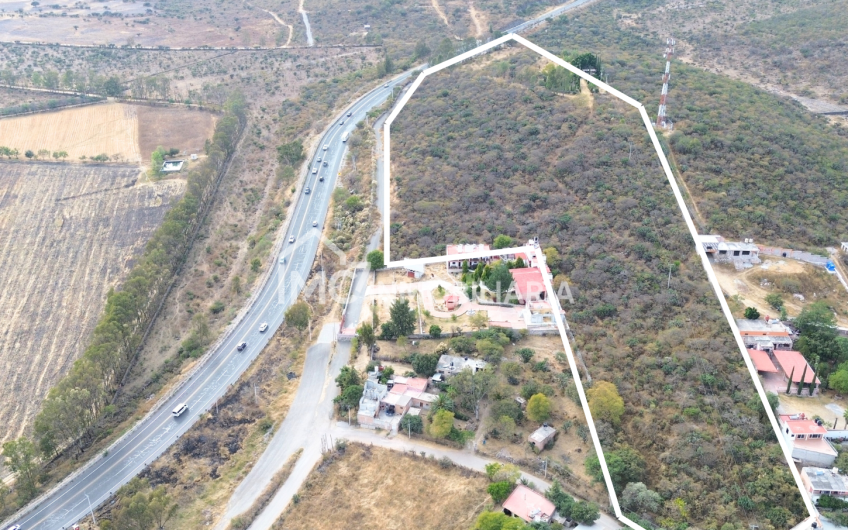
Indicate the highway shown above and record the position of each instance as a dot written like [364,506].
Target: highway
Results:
[69,501]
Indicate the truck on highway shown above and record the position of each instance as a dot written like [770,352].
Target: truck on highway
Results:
[344,137]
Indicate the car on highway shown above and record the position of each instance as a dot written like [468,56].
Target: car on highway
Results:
[15,526]
[263,328]
[179,410]
[326,146]
[319,158]
[321,178]
[386,85]
[314,223]
[307,190]
[325,163]
[314,170]
[341,122]
[291,239]
[282,259]
[348,114]
[241,346]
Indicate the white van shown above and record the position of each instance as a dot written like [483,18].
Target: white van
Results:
[178,411]
[344,137]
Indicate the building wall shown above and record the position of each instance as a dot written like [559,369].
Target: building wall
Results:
[812,458]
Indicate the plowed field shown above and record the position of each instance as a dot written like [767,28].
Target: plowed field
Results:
[68,233]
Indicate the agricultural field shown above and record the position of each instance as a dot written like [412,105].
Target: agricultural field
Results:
[507,149]
[172,23]
[69,233]
[364,483]
[124,133]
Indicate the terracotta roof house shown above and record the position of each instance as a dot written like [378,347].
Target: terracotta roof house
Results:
[451,302]
[528,505]
[529,284]
[762,361]
[806,438]
[792,364]
[764,335]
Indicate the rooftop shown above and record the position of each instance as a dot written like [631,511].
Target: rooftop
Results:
[541,434]
[800,424]
[465,249]
[451,364]
[529,505]
[528,281]
[761,327]
[762,361]
[793,363]
[825,479]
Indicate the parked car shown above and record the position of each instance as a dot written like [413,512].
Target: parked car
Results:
[241,346]
[177,412]
[263,328]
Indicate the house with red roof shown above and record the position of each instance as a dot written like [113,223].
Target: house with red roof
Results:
[529,505]
[806,439]
[793,365]
[529,284]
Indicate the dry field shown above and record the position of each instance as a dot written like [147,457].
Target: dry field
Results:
[123,132]
[68,234]
[814,283]
[366,484]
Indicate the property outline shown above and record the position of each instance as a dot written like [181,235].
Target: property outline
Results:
[555,305]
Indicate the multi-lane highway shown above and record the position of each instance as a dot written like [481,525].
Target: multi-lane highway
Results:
[69,502]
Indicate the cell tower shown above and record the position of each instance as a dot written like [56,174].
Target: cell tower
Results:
[669,51]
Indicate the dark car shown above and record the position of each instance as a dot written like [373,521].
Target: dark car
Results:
[348,114]
[325,163]
[241,345]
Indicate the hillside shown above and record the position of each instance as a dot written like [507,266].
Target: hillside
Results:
[485,149]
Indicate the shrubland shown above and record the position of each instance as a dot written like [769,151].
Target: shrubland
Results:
[489,150]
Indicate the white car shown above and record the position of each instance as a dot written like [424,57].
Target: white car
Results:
[291,239]
[348,114]
[314,223]
[179,410]
[314,170]
[326,146]
[386,85]
[263,328]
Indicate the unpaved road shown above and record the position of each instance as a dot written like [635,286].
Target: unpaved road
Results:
[309,40]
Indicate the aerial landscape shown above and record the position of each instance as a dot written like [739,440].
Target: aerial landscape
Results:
[455,264]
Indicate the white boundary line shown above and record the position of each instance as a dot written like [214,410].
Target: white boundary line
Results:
[558,317]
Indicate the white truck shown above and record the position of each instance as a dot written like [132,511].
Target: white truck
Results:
[344,137]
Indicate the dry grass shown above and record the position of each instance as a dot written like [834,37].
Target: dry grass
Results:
[110,129]
[399,490]
[69,233]
[181,128]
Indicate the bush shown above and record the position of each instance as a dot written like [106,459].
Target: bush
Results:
[751,313]
[463,344]
[525,354]
[508,408]
[539,408]
[411,423]
[435,331]
[216,307]
[500,491]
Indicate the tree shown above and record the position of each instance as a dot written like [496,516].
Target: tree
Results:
[625,465]
[20,457]
[605,403]
[28,153]
[585,512]
[499,278]
[134,513]
[817,327]
[539,408]
[775,300]
[424,364]
[479,320]
[366,335]
[435,331]
[162,507]
[348,376]
[402,317]
[290,153]
[562,500]
[298,316]
[512,371]
[471,387]
[375,260]
[525,354]
[500,490]
[503,427]
[490,350]
[638,498]
[751,313]
[838,380]
[411,423]
[421,50]
[349,397]
[498,521]
[157,158]
[112,87]
[502,241]
[255,265]
[441,424]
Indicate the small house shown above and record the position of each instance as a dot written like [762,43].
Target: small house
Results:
[820,481]
[528,505]
[765,335]
[414,270]
[451,302]
[542,436]
[529,284]
[451,364]
[792,364]
[806,439]
[455,265]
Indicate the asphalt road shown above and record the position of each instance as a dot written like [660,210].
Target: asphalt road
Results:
[68,503]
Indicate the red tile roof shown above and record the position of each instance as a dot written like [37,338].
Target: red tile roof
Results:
[789,360]
[527,504]
[799,424]
[529,283]
[762,361]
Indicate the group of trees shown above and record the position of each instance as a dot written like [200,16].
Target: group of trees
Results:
[401,322]
[84,82]
[69,415]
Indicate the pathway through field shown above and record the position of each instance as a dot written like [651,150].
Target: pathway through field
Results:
[475,17]
[309,40]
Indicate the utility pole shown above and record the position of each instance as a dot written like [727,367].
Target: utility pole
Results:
[94,520]
[669,278]
[255,393]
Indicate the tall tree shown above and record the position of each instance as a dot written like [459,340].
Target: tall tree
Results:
[605,403]
[20,457]
[375,261]
[471,387]
[402,317]
[298,316]
[539,408]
